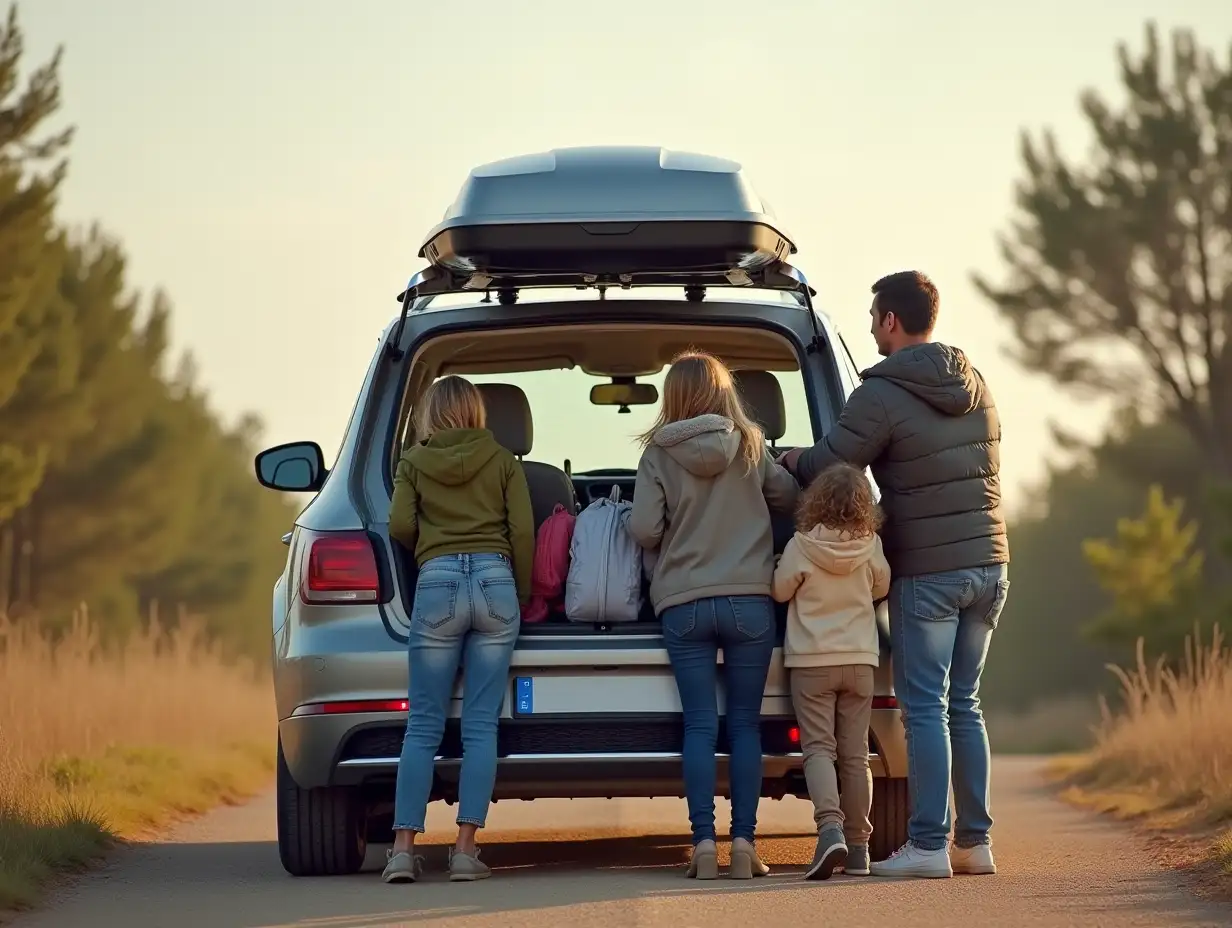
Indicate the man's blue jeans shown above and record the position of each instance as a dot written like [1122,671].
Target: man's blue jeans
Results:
[743,626]
[940,627]
[466,611]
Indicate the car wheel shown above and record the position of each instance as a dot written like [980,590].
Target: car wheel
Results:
[891,809]
[321,832]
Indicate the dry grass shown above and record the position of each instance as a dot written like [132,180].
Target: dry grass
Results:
[101,743]
[1165,756]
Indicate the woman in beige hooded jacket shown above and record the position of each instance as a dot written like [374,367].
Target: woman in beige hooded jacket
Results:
[705,486]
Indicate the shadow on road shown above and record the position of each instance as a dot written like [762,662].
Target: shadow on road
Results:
[242,884]
[246,877]
[641,851]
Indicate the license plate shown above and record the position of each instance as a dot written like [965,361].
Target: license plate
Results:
[596,694]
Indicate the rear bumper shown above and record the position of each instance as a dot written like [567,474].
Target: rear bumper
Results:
[362,748]
[344,654]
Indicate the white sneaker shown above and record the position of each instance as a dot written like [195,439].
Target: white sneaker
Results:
[910,860]
[974,860]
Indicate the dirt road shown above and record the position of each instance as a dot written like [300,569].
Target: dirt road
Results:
[616,863]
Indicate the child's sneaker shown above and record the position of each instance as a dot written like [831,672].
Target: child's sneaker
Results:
[910,860]
[745,864]
[830,854]
[465,868]
[973,860]
[704,864]
[402,867]
[857,860]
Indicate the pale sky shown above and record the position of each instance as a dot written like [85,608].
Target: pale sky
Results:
[274,164]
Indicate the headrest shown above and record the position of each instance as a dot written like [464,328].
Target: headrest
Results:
[508,416]
[763,401]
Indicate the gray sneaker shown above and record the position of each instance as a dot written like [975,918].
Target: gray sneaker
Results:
[857,860]
[466,868]
[830,854]
[402,867]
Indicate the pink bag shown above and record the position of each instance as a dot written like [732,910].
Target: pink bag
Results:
[551,565]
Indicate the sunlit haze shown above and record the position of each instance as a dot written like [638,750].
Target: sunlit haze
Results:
[274,165]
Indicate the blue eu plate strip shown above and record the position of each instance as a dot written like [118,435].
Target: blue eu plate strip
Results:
[526,695]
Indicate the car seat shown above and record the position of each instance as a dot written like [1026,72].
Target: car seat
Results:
[509,418]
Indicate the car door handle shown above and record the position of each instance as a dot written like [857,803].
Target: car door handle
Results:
[286,539]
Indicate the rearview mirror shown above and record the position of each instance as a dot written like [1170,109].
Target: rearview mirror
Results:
[624,394]
[297,467]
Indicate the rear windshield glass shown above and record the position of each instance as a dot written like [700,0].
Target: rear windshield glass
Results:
[568,427]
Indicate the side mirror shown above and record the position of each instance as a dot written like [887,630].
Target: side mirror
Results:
[297,467]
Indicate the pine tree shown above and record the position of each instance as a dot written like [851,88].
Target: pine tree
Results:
[234,555]
[37,355]
[1153,574]
[118,484]
[1120,265]
[112,505]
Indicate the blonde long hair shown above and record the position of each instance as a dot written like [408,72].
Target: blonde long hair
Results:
[451,403]
[699,384]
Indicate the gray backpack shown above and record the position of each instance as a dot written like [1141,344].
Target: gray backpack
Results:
[605,565]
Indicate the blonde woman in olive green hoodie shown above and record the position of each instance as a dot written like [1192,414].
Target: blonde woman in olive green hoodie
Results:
[462,505]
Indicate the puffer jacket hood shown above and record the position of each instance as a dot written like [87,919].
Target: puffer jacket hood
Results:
[938,374]
[705,446]
[454,456]
[836,552]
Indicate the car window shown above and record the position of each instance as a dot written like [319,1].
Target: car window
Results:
[799,433]
[568,427]
[848,370]
[850,374]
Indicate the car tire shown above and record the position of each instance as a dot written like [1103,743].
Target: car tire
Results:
[891,809]
[321,832]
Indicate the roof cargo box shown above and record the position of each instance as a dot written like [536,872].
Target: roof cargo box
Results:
[609,212]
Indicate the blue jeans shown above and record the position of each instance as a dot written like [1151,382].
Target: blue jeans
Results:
[940,627]
[693,633]
[466,611]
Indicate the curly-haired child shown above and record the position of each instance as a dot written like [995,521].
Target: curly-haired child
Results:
[832,571]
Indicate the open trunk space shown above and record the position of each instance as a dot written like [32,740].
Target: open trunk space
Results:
[537,383]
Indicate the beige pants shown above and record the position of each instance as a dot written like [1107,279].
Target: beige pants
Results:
[833,708]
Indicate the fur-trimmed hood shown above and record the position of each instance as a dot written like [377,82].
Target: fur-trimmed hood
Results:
[704,446]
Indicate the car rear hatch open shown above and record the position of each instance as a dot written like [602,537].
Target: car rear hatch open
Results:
[606,217]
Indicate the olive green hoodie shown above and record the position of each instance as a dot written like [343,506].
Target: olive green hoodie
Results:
[460,492]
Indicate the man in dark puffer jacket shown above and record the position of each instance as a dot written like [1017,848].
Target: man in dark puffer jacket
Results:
[925,421]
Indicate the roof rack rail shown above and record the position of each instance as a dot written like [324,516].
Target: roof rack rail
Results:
[436,281]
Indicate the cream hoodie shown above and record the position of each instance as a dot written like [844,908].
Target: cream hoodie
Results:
[705,515]
[832,580]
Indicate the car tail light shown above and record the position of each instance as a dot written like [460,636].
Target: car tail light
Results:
[793,735]
[885,702]
[341,568]
[353,705]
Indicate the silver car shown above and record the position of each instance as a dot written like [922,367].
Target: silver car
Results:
[562,283]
